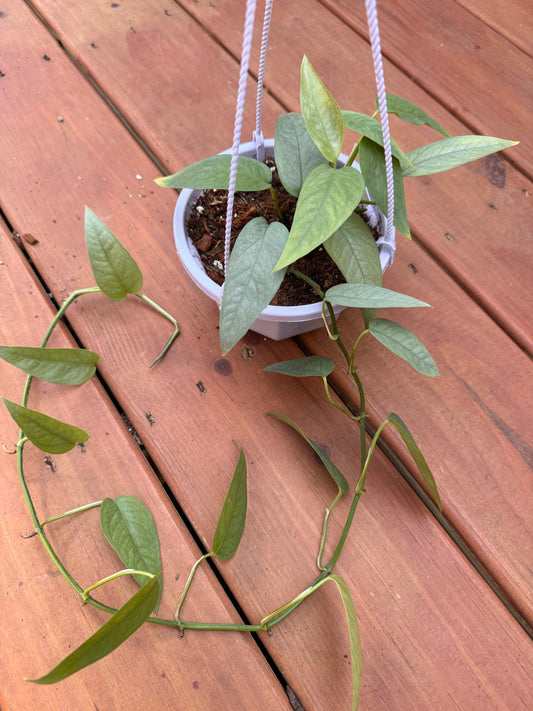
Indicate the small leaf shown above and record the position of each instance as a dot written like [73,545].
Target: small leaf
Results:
[404,344]
[230,525]
[64,366]
[417,455]
[46,433]
[303,367]
[114,269]
[322,116]
[327,199]
[407,111]
[110,636]
[372,162]
[213,174]
[295,153]
[353,633]
[354,250]
[130,530]
[250,281]
[335,473]
[371,128]
[368,296]
[452,152]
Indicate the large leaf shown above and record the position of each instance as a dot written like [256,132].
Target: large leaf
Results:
[372,162]
[232,518]
[115,631]
[407,111]
[64,366]
[213,173]
[114,269]
[354,250]
[130,529]
[295,152]
[417,455]
[46,433]
[371,128]
[404,344]
[368,296]
[451,152]
[322,116]
[353,633]
[303,367]
[250,282]
[335,473]
[327,199]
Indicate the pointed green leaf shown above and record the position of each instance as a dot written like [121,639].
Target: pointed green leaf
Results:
[407,111]
[368,296]
[250,282]
[451,152]
[230,525]
[335,473]
[371,128]
[417,455]
[354,250]
[295,153]
[46,433]
[353,633]
[213,174]
[130,530]
[327,199]
[110,636]
[322,116]
[303,367]
[64,366]
[114,269]
[404,344]
[372,162]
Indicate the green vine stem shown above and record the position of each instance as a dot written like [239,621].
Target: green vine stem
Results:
[113,576]
[80,509]
[188,585]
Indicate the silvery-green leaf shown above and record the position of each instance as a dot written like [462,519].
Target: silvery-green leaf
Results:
[64,366]
[335,473]
[407,111]
[46,433]
[250,281]
[371,128]
[372,162]
[452,152]
[404,344]
[322,116]
[303,367]
[130,530]
[114,269]
[213,174]
[232,518]
[368,296]
[417,455]
[328,197]
[354,250]
[295,153]
[110,636]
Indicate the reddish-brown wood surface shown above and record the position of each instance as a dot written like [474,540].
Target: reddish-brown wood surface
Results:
[434,634]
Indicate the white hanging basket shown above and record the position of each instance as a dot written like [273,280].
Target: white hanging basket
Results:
[276,322]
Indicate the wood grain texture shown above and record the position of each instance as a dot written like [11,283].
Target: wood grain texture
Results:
[41,618]
[513,19]
[434,634]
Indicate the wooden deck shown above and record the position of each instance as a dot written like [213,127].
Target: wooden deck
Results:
[97,99]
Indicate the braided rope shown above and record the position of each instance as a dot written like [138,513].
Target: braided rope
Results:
[375,42]
[239,113]
[258,133]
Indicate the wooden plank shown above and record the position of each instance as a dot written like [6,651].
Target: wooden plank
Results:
[461,61]
[513,20]
[41,619]
[498,195]
[441,597]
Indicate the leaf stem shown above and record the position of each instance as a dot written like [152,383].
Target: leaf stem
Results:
[276,204]
[188,585]
[87,507]
[325,531]
[170,318]
[114,576]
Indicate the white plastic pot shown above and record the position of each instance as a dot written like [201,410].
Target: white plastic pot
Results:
[276,322]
